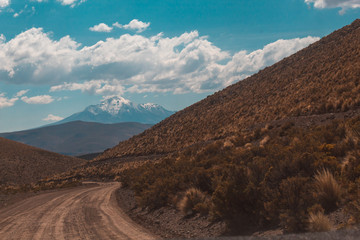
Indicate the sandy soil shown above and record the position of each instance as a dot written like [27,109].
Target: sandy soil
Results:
[78,213]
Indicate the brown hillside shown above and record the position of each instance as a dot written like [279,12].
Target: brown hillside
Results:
[21,164]
[323,77]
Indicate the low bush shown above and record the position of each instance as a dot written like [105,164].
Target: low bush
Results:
[293,203]
[192,201]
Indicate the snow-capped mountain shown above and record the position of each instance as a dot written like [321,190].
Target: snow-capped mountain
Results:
[119,109]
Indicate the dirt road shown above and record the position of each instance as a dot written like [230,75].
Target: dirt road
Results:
[79,213]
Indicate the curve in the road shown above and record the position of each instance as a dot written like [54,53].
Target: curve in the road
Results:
[79,213]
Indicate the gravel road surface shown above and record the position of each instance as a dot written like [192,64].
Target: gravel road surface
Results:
[78,213]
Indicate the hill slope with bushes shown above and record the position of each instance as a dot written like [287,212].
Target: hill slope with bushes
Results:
[323,77]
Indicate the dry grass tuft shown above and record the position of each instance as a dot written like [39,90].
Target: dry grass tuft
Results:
[228,144]
[264,140]
[248,145]
[191,199]
[327,189]
[318,222]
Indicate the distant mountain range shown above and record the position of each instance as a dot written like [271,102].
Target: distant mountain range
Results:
[118,109]
[95,129]
[77,138]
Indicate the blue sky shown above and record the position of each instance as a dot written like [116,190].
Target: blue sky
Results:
[59,56]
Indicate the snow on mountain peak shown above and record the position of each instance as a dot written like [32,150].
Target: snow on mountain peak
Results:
[118,109]
[149,106]
[116,104]
[113,105]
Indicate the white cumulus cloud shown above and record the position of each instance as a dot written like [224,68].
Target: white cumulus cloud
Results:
[71,3]
[2,38]
[343,4]
[21,93]
[244,64]
[134,24]
[133,63]
[7,102]
[4,3]
[34,56]
[52,118]
[42,99]
[25,10]
[101,27]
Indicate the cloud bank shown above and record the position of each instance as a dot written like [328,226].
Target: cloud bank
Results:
[343,4]
[133,63]
[98,87]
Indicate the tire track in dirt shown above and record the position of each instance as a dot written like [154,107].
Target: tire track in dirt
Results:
[79,213]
